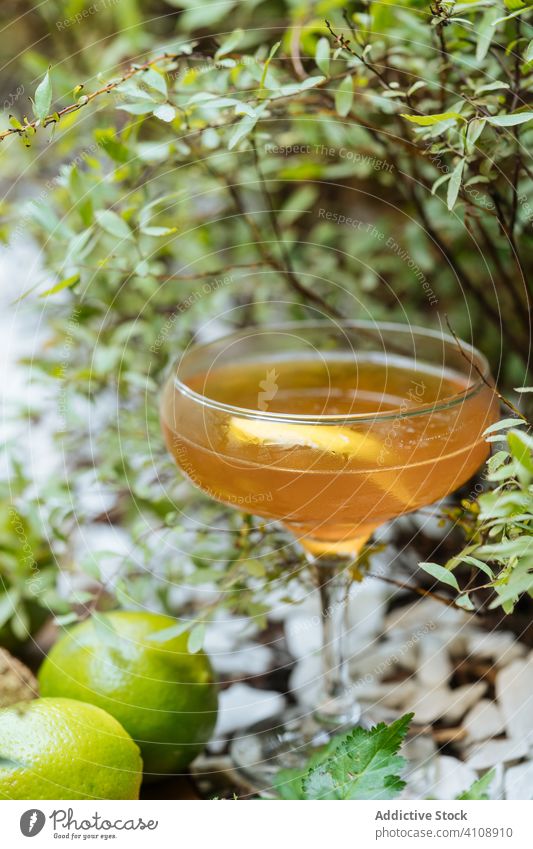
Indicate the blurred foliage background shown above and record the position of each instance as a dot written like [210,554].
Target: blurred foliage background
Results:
[176,169]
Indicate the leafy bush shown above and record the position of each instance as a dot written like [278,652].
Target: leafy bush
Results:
[350,163]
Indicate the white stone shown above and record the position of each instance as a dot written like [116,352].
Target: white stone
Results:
[462,699]
[248,659]
[500,646]
[393,695]
[519,781]
[366,609]
[430,705]
[450,778]
[241,706]
[303,634]
[434,665]
[496,751]
[483,721]
[306,680]
[514,692]
[427,612]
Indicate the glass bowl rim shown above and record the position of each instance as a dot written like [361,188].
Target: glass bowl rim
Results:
[481,363]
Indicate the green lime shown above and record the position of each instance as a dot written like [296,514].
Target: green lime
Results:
[65,749]
[163,695]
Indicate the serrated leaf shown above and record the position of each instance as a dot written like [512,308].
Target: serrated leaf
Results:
[454,184]
[113,224]
[365,765]
[440,573]
[478,790]
[344,97]
[322,54]
[362,764]
[43,98]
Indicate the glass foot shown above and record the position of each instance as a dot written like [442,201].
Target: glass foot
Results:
[268,747]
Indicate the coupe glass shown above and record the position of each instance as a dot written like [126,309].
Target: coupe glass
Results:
[331,429]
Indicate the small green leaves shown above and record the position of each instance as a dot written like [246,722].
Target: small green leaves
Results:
[322,54]
[440,573]
[344,96]
[454,184]
[43,98]
[113,224]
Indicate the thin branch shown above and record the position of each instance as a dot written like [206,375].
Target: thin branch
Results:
[289,271]
[422,592]
[487,383]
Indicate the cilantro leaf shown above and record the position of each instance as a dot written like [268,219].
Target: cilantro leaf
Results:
[362,764]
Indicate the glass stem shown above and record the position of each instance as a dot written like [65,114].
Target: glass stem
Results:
[338,706]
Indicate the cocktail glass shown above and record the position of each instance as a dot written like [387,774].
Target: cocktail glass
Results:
[331,429]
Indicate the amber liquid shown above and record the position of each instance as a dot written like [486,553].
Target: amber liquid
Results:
[331,482]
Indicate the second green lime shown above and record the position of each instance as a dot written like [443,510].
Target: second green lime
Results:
[163,695]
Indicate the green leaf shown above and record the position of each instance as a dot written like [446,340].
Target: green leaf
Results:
[165,112]
[464,602]
[8,603]
[440,573]
[485,33]
[454,184]
[478,790]
[113,224]
[230,43]
[64,284]
[196,638]
[170,633]
[243,129]
[439,181]
[528,55]
[511,120]
[273,50]
[344,97]
[322,54]
[430,120]
[43,98]
[503,424]
[154,80]
[365,765]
